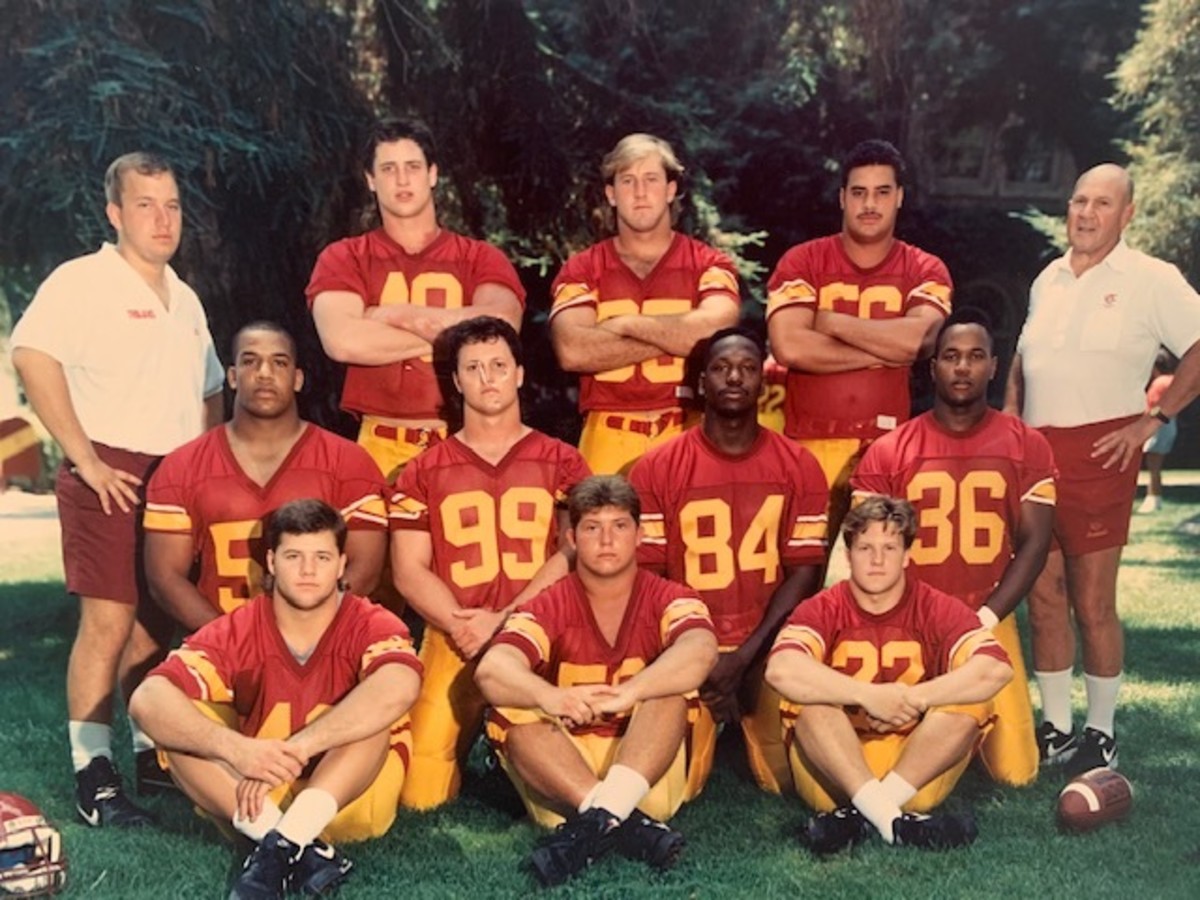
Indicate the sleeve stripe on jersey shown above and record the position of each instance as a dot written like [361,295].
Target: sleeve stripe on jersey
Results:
[212,688]
[800,638]
[682,614]
[809,531]
[533,640]
[406,508]
[859,496]
[654,529]
[165,517]
[934,293]
[790,293]
[395,649]
[570,295]
[716,279]
[974,641]
[370,510]
[1044,492]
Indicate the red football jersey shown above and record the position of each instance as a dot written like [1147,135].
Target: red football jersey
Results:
[728,526]
[925,635]
[558,634]
[967,488]
[492,526]
[242,659]
[689,273]
[201,491]
[445,274]
[818,275]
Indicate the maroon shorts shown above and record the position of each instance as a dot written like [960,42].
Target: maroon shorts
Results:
[1094,503]
[102,555]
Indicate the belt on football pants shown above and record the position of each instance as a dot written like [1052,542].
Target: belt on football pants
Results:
[648,427]
[417,436]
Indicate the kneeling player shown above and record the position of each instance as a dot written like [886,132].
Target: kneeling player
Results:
[589,682]
[887,685]
[297,696]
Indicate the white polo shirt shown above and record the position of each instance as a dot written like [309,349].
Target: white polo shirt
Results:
[137,372]
[1089,343]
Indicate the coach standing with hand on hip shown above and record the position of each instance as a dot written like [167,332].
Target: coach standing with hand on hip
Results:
[1097,316]
[118,363]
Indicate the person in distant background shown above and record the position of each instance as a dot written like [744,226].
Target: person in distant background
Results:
[1163,441]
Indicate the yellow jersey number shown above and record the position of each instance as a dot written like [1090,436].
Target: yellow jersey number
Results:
[886,297]
[707,527]
[477,519]
[871,660]
[242,569]
[977,536]
[663,369]
[423,288]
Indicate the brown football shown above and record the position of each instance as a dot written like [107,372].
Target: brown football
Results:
[1093,799]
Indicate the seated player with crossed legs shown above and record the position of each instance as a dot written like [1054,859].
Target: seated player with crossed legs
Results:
[301,695]
[887,685]
[592,683]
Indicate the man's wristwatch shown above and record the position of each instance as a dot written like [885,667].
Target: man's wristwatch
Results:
[1156,412]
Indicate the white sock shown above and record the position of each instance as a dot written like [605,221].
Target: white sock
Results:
[589,799]
[621,791]
[1055,688]
[141,740]
[1101,701]
[307,817]
[88,740]
[898,789]
[877,807]
[257,829]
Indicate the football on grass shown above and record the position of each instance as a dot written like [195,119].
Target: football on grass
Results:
[1093,799]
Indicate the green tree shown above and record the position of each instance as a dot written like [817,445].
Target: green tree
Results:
[1159,79]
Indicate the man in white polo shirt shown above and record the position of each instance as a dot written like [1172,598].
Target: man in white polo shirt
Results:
[118,363]
[1096,319]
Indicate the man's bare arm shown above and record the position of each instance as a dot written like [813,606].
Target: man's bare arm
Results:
[899,341]
[1014,388]
[169,560]
[348,336]
[505,679]
[46,387]
[796,344]
[1032,542]
[679,334]
[976,680]
[366,549]
[427,322]
[412,571]
[581,345]
[372,706]
[169,716]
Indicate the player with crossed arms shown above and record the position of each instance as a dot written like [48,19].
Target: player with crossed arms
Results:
[628,311]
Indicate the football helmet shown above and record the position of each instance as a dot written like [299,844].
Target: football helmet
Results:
[32,861]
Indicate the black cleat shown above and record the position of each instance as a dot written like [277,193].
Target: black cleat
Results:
[574,845]
[1055,747]
[320,870]
[942,831]
[100,798]
[265,872]
[1096,751]
[832,832]
[149,777]
[648,840]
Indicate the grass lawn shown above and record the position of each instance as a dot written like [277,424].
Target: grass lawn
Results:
[741,842]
